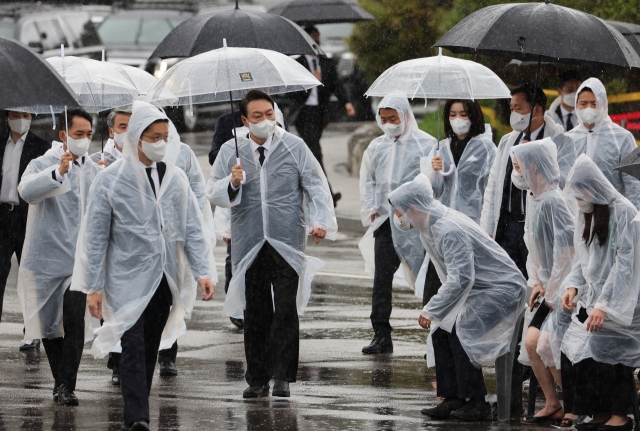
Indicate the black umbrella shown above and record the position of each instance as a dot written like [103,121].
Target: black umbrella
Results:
[631,164]
[321,11]
[28,80]
[241,29]
[630,31]
[540,32]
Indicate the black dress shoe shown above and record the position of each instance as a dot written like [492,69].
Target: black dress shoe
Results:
[55,395]
[256,391]
[34,345]
[168,369]
[474,410]
[238,323]
[379,345]
[66,397]
[626,427]
[281,389]
[139,425]
[115,377]
[444,409]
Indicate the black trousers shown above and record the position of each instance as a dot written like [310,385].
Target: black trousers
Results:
[271,338]
[510,236]
[12,229]
[140,345]
[65,353]
[387,263]
[432,284]
[228,268]
[455,375]
[310,124]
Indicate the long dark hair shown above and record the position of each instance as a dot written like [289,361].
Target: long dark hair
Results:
[600,219]
[475,115]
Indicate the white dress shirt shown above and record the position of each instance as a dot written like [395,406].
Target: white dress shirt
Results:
[10,170]
[256,153]
[154,175]
[565,117]
[313,100]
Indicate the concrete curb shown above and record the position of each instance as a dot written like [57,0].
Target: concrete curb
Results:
[350,224]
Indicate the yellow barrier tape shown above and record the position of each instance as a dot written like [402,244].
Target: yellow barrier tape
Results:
[614,98]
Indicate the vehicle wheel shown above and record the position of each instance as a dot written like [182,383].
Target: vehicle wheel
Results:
[182,119]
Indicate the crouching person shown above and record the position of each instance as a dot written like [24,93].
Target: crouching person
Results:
[474,313]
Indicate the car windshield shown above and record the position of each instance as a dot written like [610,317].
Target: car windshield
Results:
[335,31]
[131,31]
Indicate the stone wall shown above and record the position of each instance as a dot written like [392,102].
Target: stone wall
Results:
[358,143]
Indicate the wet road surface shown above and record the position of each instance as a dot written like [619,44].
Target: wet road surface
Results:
[338,387]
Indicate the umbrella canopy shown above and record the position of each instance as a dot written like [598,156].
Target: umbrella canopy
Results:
[440,77]
[540,31]
[98,85]
[140,79]
[631,164]
[27,80]
[321,11]
[630,31]
[241,28]
[215,75]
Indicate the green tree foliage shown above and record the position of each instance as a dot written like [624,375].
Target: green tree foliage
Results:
[406,29]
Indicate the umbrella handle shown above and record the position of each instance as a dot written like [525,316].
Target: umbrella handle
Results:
[244,174]
[449,171]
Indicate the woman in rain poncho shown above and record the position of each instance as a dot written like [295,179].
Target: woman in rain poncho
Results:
[390,161]
[141,244]
[549,229]
[602,140]
[57,202]
[602,344]
[474,314]
[468,148]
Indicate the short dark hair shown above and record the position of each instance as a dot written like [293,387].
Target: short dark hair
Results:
[71,114]
[586,89]
[311,29]
[568,75]
[475,115]
[528,90]
[252,96]
[162,120]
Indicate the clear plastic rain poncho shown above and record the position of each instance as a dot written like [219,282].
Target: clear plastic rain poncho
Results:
[548,234]
[55,213]
[482,292]
[493,193]
[280,202]
[387,164]
[607,277]
[129,238]
[463,189]
[110,153]
[606,144]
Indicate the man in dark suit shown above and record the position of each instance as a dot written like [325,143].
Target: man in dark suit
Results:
[17,148]
[311,114]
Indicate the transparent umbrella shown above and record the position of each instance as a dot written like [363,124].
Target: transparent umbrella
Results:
[228,73]
[440,77]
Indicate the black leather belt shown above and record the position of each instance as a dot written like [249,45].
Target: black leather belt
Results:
[8,206]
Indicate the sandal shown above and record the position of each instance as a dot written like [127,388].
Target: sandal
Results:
[540,420]
[566,423]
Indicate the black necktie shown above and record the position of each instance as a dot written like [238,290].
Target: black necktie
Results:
[569,123]
[261,158]
[315,64]
[153,187]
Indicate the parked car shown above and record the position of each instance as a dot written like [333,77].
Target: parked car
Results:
[46,28]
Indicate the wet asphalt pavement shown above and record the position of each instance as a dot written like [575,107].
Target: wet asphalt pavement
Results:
[338,387]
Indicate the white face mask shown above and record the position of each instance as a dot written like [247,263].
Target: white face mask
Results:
[589,115]
[262,129]
[155,151]
[78,146]
[585,207]
[460,126]
[519,122]
[402,223]
[21,125]
[569,99]
[118,138]
[393,130]
[518,180]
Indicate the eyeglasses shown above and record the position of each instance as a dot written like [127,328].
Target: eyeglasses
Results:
[155,139]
